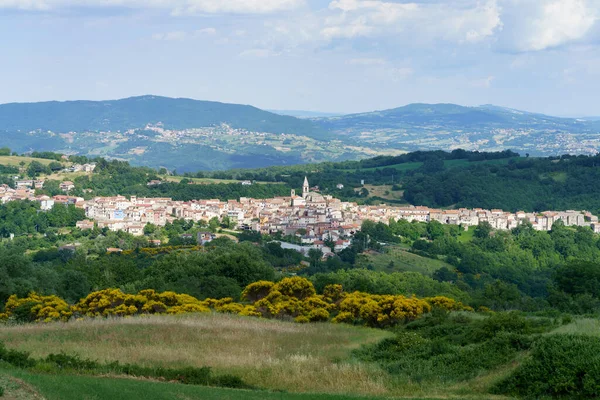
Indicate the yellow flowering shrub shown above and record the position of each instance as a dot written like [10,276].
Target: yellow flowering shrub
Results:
[380,310]
[447,303]
[257,290]
[293,298]
[188,308]
[39,308]
[333,293]
[297,287]
[250,311]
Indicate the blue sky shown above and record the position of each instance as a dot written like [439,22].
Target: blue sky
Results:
[333,55]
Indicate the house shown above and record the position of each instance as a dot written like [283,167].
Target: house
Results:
[85,224]
[24,184]
[66,186]
[154,182]
[69,247]
[46,203]
[205,237]
[114,250]
[246,183]
[339,186]
[89,167]
[155,242]
[135,229]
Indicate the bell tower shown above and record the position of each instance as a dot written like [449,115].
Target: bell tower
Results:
[305,187]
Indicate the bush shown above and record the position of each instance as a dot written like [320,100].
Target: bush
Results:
[560,366]
[418,359]
[1,391]
[65,361]
[17,358]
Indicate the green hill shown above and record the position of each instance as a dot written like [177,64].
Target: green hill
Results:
[137,112]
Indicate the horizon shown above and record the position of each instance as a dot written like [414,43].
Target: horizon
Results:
[275,111]
[334,56]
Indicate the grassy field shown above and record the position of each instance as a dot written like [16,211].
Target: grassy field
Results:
[467,236]
[384,192]
[268,354]
[24,385]
[284,360]
[17,160]
[402,261]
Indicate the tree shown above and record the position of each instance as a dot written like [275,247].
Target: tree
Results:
[315,256]
[483,230]
[579,277]
[435,230]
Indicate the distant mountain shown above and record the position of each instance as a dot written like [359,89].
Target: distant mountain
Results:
[448,115]
[137,112]
[305,114]
[216,136]
[450,126]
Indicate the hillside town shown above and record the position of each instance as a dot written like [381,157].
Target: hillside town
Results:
[312,216]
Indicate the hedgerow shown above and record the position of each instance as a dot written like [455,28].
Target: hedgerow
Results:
[62,362]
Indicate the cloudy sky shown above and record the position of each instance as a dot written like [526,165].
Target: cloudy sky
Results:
[320,55]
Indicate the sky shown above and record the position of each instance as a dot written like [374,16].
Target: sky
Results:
[318,55]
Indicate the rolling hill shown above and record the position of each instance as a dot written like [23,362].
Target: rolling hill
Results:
[449,126]
[191,135]
[137,112]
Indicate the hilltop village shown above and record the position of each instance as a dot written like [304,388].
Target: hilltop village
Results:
[313,216]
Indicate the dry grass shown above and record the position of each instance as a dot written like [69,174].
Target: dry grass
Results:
[580,326]
[270,354]
[15,161]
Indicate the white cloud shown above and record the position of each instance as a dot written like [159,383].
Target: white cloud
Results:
[206,31]
[458,21]
[534,25]
[177,7]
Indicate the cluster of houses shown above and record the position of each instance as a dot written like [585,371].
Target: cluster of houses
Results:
[81,168]
[312,217]
[19,193]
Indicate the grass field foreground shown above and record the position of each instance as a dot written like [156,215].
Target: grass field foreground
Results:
[269,354]
[23,385]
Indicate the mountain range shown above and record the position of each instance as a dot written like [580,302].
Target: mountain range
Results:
[190,134]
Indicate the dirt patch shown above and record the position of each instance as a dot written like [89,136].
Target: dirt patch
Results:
[17,389]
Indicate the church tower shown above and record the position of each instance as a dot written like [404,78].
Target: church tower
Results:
[305,187]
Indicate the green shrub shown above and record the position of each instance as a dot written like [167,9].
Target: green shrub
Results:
[413,357]
[560,366]
[1,391]
[65,361]
[17,358]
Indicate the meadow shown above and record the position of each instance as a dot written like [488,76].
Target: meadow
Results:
[397,259]
[285,360]
[269,354]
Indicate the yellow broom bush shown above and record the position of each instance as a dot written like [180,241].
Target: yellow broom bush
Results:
[39,308]
[293,298]
[447,303]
